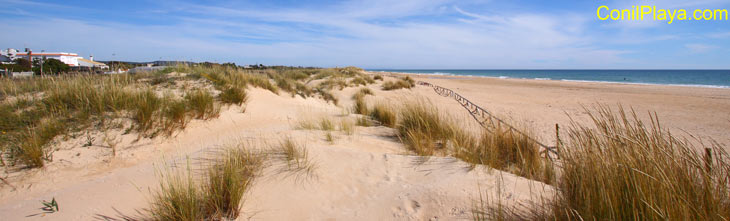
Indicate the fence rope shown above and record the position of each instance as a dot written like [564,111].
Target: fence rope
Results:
[484,117]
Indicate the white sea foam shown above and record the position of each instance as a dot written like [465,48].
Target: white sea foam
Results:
[569,80]
[641,83]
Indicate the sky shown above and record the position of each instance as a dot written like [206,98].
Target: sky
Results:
[374,34]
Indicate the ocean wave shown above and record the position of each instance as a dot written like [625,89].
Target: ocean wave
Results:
[568,80]
[643,83]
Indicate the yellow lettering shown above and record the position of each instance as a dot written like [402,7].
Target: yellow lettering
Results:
[598,12]
[694,14]
[617,15]
[682,15]
[720,12]
[705,12]
[671,15]
[627,13]
[644,12]
[662,14]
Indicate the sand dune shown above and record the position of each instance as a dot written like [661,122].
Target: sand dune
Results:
[364,176]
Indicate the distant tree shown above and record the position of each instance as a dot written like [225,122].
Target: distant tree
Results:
[52,66]
[22,64]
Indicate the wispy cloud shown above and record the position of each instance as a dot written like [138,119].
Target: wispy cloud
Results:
[699,48]
[376,34]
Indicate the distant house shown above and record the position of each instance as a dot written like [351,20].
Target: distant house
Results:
[90,63]
[71,59]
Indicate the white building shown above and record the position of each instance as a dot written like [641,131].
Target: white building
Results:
[71,59]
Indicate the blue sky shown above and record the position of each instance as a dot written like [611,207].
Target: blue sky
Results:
[465,34]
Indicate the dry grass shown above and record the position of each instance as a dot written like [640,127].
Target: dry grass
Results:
[329,138]
[228,180]
[505,149]
[347,127]
[174,115]
[202,105]
[233,95]
[80,102]
[327,96]
[423,129]
[326,124]
[294,155]
[621,168]
[179,198]
[385,114]
[363,121]
[360,106]
[218,196]
[406,82]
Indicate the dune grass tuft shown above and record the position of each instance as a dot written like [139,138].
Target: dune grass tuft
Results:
[423,129]
[326,124]
[228,180]
[174,115]
[406,82]
[233,95]
[146,106]
[179,198]
[385,114]
[622,168]
[347,127]
[201,104]
[31,149]
[219,195]
[327,96]
[505,149]
[295,156]
[360,106]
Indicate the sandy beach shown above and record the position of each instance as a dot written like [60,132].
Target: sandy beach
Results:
[368,175]
[543,103]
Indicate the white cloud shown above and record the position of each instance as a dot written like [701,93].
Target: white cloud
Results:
[699,48]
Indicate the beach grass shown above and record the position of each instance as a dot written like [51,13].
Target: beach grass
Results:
[622,168]
[423,128]
[294,155]
[385,114]
[347,126]
[233,95]
[218,195]
[202,104]
[79,102]
[405,82]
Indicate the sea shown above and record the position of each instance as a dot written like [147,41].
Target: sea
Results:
[693,78]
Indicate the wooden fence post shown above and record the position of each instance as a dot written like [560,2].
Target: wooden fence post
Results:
[557,140]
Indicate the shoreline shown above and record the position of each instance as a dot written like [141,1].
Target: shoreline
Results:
[457,76]
[541,104]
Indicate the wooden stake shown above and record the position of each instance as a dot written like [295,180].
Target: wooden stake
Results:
[557,140]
